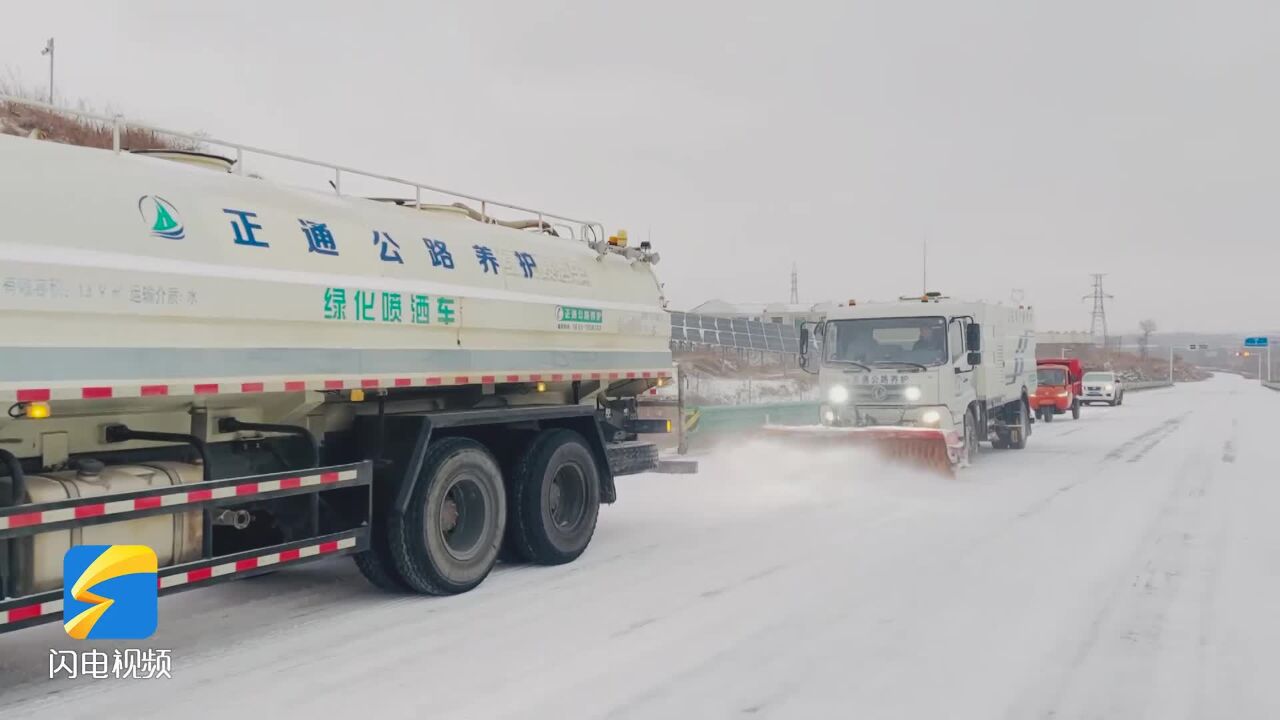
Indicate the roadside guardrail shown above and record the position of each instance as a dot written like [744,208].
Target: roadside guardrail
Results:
[1147,385]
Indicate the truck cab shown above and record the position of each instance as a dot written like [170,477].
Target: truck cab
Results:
[932,363]
[1058,388]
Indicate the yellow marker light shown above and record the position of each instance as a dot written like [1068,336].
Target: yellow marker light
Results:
[662,382]
[542,387]
[357,395]
[668,426]
[619,240]
[37,410]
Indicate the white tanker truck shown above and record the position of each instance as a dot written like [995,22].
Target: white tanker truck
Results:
[243,375]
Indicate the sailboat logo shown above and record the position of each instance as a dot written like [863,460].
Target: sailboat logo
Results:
[162,217]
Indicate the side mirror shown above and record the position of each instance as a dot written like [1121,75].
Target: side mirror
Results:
[974,358]
[804,340]
[973,338]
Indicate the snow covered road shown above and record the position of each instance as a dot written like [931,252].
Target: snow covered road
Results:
[1122,566]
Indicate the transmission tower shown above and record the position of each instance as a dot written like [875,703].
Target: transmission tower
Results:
[795,286]
[1099,316]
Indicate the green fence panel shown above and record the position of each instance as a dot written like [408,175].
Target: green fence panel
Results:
[713,420]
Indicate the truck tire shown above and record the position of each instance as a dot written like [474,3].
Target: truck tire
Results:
[378,567]
[1048,414]
[1018,440]
[1075,409]
[553,497]
[447,540]
[970,430]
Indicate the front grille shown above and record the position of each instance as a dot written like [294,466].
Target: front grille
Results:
[889,394]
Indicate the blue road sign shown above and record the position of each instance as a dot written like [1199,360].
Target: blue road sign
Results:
[1255,342]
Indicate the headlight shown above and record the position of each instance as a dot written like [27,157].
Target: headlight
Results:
[1065,393]
[912,393]
[838,394]
[1110,388]
[828,415]
[930,417]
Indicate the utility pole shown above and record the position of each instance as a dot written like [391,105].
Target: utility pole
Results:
[924,268]
[1267,378]
[48,50]
[795,286]
[1170,363]
[1099,315]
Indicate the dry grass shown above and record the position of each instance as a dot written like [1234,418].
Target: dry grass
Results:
[30,121]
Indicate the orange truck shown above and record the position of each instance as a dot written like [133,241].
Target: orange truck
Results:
[1058,388]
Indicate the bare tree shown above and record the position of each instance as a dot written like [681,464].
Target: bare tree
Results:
[1147,327]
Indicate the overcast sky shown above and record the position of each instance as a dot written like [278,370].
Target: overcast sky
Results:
[1031,143]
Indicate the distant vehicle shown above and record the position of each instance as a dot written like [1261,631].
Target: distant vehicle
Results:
[1103,386]
[1058,388]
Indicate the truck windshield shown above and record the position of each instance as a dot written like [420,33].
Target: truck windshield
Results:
[886,341]
[1051,376]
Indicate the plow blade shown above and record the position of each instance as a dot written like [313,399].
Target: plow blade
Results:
[928,448]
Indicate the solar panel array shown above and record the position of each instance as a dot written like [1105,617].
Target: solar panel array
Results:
[690,330]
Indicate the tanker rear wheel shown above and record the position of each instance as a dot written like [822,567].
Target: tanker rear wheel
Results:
[447,540]
[554,499]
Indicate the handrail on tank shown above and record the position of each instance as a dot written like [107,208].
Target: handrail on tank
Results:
[587,230]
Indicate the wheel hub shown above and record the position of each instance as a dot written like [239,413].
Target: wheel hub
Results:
[567,496]
[462,518]
[448,515]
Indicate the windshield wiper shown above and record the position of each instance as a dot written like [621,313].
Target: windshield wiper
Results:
[901,362]
[850,362]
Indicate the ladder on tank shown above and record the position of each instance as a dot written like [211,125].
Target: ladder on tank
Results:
[588,231]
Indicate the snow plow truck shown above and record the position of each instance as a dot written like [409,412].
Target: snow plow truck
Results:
[923,380]
[243,375]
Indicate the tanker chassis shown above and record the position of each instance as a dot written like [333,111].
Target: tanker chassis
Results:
[230,372]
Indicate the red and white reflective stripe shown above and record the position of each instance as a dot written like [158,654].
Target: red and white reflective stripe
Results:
[353,382]
[28,612]
[194,495]
[245,564]
[39,610]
